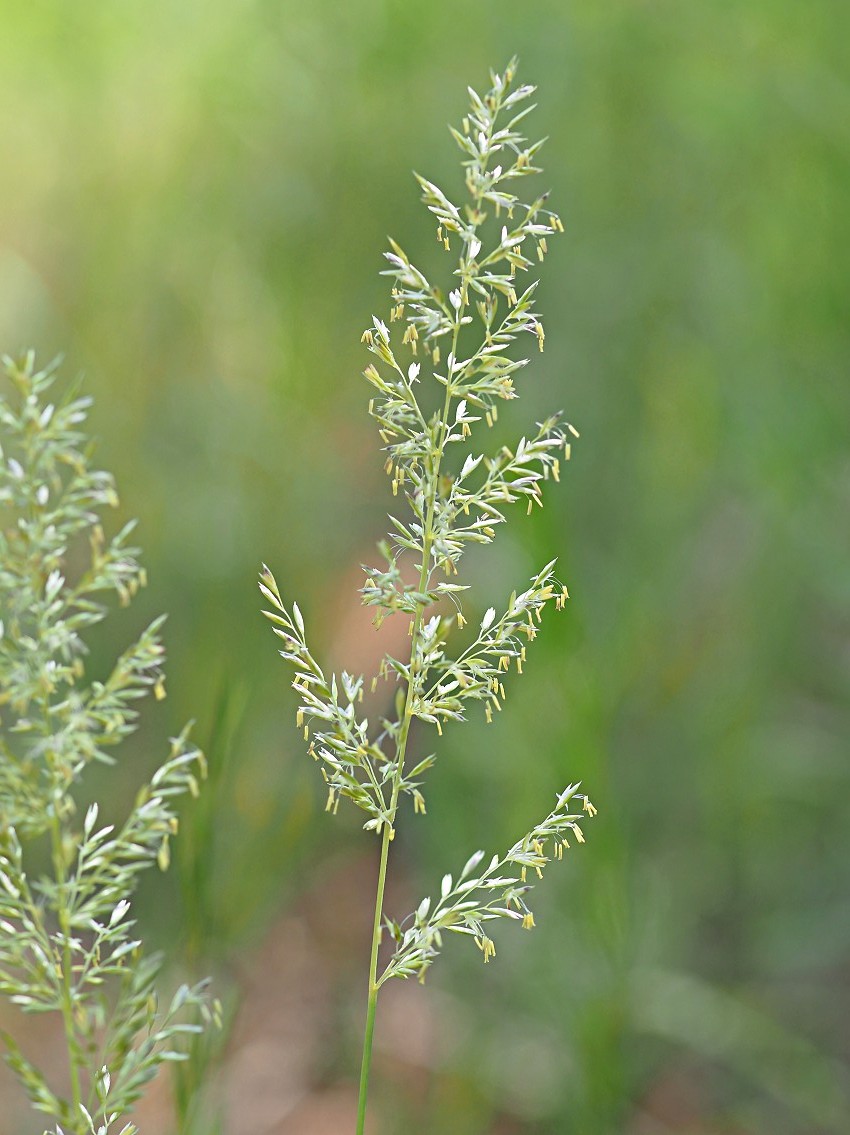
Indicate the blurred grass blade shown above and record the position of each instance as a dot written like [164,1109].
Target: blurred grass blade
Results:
[721,1026]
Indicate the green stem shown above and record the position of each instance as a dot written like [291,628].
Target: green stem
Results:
[372,1002]
[66,967]
[62,914]
[389,831]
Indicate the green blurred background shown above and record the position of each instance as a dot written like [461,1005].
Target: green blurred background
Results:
[193,204]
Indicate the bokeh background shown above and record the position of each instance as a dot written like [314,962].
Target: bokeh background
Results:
[194,199]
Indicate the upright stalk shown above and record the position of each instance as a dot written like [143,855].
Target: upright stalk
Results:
[372,1002]
[389,832]
[66,970]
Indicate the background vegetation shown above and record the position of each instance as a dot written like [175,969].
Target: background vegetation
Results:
[193,204]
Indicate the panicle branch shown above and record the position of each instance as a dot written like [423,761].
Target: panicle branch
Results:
[467,902]
[351,765]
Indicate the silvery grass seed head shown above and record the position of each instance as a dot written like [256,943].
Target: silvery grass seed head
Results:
[69,945]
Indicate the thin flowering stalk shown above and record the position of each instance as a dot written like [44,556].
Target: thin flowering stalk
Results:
[455,496]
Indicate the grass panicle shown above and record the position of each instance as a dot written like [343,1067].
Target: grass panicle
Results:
[452,349]
[68,942]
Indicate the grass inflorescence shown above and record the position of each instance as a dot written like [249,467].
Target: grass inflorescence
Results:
[453,341]
[69,945]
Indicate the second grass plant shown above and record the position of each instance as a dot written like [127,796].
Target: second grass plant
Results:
[455,345]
